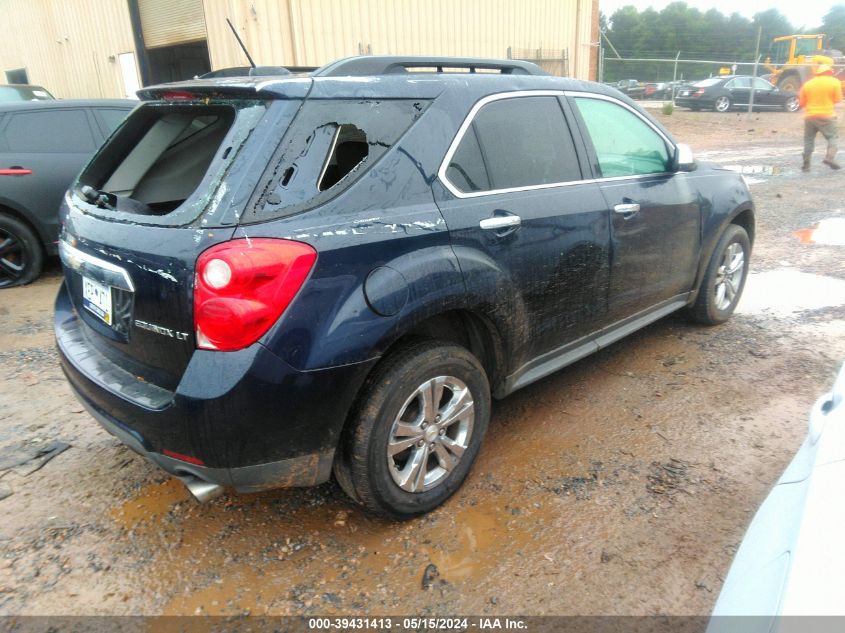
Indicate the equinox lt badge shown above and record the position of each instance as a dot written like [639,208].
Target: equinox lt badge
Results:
[164,331]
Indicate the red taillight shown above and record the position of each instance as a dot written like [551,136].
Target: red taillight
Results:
[184,458]
[243,286]
[698,92]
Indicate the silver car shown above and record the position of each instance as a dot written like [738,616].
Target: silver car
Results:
[792,559]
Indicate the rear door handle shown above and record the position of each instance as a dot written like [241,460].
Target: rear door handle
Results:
[500,222]
[627,210]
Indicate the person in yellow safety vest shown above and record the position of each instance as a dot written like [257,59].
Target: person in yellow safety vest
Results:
[817,98]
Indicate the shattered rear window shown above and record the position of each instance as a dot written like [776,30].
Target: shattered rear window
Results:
[329,146]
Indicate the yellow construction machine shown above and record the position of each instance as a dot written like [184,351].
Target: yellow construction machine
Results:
[791,56]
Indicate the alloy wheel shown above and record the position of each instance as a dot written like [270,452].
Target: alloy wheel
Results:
[13,259]
[729,276]
[431,433]
[723,104]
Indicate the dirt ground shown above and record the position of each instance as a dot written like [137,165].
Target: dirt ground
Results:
[621,485]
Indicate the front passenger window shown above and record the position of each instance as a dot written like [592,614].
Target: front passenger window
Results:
[625,145]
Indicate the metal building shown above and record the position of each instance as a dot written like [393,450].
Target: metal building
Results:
[109,48]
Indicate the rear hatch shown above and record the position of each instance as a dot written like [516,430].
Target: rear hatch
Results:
[170,182]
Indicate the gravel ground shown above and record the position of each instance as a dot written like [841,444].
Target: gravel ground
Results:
[621,485]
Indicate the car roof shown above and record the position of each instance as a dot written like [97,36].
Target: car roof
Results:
[725,77]
[57,104]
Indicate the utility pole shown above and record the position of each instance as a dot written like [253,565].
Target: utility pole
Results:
[601,65]
[756,61]
[675,77]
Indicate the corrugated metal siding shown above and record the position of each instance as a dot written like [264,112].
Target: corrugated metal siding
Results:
[170,22]
[69,46]
[264,26]
[314,32]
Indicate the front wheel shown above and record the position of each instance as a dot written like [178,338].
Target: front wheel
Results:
[724,279]
[416,430]
[722,104]
[791,104]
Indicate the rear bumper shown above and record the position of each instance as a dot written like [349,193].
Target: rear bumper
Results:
[250,420]
[687,102]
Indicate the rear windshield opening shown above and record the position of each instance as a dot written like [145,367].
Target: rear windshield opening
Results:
[158,158]
[349,149]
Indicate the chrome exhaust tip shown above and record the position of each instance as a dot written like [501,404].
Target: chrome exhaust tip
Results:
[202,490]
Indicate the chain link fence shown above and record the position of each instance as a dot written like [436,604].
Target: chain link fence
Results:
[553,61]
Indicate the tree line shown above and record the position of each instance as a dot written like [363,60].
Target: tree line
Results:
[709,35]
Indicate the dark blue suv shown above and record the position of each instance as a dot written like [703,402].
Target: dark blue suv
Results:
[270,280]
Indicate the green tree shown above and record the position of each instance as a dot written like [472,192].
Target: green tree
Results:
[833,25]
[696,35]
[773,24]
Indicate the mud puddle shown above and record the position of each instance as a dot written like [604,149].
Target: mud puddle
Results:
[827,232]
[749,155]
[787,292]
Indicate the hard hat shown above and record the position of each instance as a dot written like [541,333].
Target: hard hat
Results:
[822,64]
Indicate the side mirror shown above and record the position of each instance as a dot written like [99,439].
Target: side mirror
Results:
[683,159]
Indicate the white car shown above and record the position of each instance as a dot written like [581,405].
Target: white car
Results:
[792,559]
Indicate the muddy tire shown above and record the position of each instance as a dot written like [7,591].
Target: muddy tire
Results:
[416,431]
[21,256]
[724,279]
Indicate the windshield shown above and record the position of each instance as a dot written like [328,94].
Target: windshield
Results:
[24,93]
[806,46]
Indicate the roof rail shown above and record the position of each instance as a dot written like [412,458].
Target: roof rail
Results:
[367,65]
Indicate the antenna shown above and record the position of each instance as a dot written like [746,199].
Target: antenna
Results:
[238,37]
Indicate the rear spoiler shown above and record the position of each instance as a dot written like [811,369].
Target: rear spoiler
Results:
[285,86]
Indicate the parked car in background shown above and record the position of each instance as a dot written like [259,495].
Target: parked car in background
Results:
[658,90]
[270,281]
[792,558]
[676,87]
[727,92]
[24,92]
[630,87]
[43,145]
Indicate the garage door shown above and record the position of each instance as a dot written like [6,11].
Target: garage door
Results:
[170,22]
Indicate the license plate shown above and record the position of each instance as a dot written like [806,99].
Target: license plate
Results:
[684,93]
[96,298]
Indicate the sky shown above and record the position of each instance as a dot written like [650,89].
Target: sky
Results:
[807,13]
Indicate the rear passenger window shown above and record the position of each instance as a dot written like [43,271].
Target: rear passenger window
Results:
[328,146]
[348,150]
[625,144]
[515,142]
[50,131]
